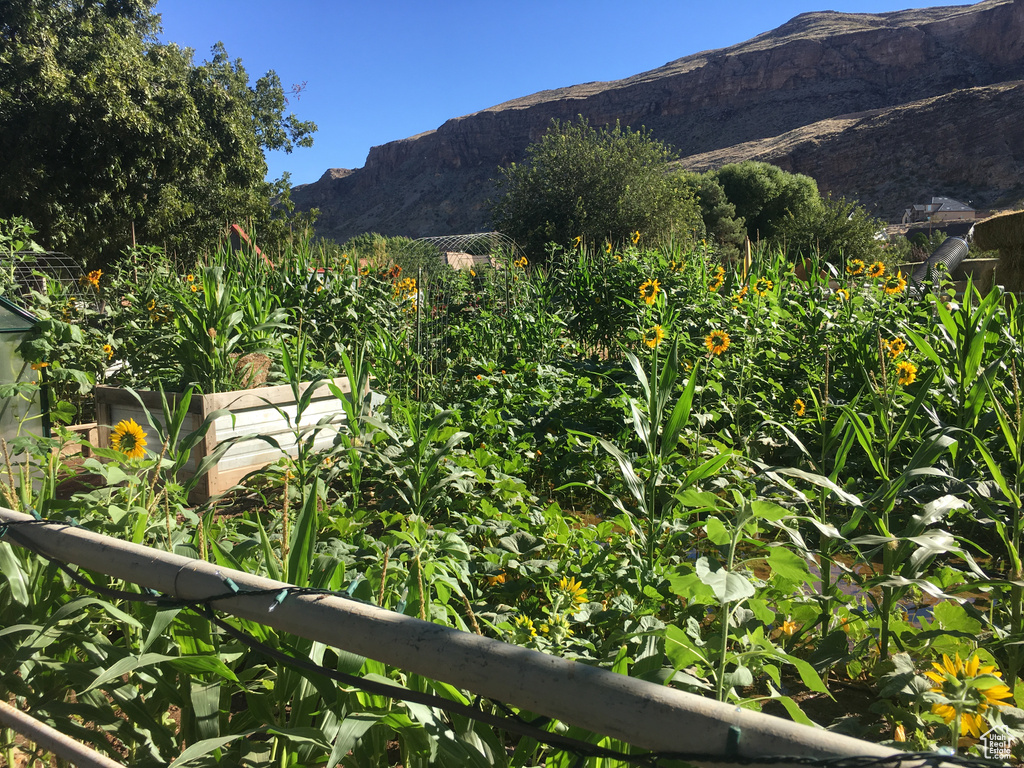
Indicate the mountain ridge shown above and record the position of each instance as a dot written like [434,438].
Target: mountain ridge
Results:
[740,102]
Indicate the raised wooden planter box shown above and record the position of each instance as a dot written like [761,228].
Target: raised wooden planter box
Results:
[89,433]
[255,411]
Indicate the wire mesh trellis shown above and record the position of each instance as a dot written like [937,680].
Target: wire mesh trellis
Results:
[24,271]
[473,279]
[476,249]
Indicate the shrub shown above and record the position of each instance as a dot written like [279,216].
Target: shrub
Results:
[598,184]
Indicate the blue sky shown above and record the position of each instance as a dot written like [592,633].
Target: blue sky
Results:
[380,70]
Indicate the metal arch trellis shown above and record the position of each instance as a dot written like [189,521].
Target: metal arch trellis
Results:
[25,271]
[463,254]
[479,244]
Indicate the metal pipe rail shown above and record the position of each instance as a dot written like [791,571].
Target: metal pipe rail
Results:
[53,740]
[649,716]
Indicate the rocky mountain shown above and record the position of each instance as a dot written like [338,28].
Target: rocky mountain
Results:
[887,108]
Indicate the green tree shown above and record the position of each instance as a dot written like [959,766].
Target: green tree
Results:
[106,133]
[724,228]
[834,230]
[599,184]
[766,196]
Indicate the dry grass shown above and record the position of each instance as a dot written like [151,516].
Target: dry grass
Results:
[1004,231]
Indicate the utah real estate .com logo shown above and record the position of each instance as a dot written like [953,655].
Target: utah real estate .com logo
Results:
[996,743]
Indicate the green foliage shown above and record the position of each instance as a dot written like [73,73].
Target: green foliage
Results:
[833,230]
[108,136]
[600,184]
[381,252]
[723,227]
[746,484]
[765,196]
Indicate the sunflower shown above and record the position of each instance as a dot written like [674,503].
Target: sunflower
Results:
[842,295]
[556,628]
[93,278]
[854,267]
[574,590]
[190,278]
[906,372]
[129,439]
[524,629]
[405,289]
[876,270]
[895,284]
[799,407]
[955,680]
[717,280]
[649,291]
[636,237]
[895,347]
[717,342]
[521,262]
[762,286]
[108,351]
[653,337]
[740,295]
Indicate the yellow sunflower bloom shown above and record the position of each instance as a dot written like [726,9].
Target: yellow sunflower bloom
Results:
[762,286]
[649,291]
[108,351]
[636,237]
[842,295]
[93,278]
[876,270]
[855,267]
[799,407]
[129,438]
[574,589]
[953,679]
[717,342]
[895,284]
[906,373]
[524,629]
[653,337]
[895,347]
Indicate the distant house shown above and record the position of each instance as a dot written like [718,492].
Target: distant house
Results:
[939,209]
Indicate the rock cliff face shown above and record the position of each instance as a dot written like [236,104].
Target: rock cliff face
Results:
[887,108]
